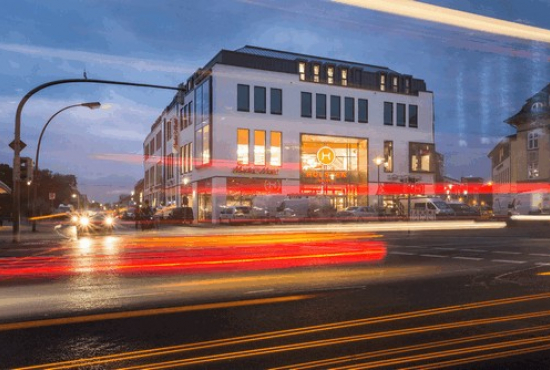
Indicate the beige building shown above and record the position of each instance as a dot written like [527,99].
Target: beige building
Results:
[521,162]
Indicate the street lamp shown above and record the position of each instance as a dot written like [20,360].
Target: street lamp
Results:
[77,196]
[92,105]
[378,161]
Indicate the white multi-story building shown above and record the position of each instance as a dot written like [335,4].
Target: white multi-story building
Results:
[255,122]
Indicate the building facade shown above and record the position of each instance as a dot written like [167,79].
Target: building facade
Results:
[521,162]
[257,122]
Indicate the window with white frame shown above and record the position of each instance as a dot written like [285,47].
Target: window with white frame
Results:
[382,82]
[532,140]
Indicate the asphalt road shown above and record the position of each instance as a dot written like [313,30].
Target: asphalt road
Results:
[288,298]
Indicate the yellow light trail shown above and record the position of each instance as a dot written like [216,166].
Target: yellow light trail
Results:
[417,347]
[331,342]
[451,17]
[142,313]
[292,332]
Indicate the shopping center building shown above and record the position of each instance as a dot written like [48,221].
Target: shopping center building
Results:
[256,123]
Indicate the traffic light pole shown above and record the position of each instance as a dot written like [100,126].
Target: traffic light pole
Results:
[18,145]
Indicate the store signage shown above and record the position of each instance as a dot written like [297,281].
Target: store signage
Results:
[327,175]
[255,170]
[325,155]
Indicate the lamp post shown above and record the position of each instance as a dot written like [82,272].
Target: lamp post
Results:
[378,161]
[77,196]
[17,144]
[92,105]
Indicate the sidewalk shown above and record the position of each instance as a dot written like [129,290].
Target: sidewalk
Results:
[44,232]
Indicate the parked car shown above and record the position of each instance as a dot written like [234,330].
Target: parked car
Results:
[463,210]
[183,214]
[357,213]
[96,223]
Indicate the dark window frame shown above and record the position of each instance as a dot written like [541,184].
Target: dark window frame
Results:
[335,107]
[246,92]
[276,103]
[321,98]
[349,102]
[359,115]
[260,99]
[388,105]
[306,111]
[401,113]
[413,118]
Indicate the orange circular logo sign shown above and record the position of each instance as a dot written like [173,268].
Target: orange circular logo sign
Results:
[326,155]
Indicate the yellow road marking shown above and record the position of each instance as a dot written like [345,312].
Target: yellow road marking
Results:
[150,312]
[288,332]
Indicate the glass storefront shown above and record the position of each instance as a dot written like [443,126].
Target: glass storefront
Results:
[335,167]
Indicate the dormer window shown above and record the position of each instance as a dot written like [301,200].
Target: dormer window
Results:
[316,71]
[302,71]
[537,107]
[394,84]
[330,75]
[382,82]
[344,77]
[407,86]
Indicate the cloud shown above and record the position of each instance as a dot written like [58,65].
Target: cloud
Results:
[138,64]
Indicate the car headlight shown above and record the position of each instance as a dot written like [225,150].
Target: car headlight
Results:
[84,221]
[74,219]
[109,221]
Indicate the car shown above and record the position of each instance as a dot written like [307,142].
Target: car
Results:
[243,214]
[93,223]
[357,213]
[183,214]
[463,210]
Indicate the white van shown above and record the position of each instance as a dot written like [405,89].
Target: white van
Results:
[426,205]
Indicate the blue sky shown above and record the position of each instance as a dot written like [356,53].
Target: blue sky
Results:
[478,79]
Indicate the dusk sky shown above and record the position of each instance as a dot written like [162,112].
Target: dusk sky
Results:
[479,79]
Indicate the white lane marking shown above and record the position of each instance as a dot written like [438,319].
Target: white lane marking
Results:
[433,255]
[404,253]
[539,254]
[508,261]
[473,250]
[444,249]
[505,252]
[468,258]
[542,264]
[415,246]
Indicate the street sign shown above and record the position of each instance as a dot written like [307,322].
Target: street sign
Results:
[52,196]
[22,145]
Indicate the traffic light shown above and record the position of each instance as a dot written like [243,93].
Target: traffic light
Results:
[26,169]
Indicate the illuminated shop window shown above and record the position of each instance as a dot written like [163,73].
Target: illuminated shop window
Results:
[259,148]
[276,148]
[242,146]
